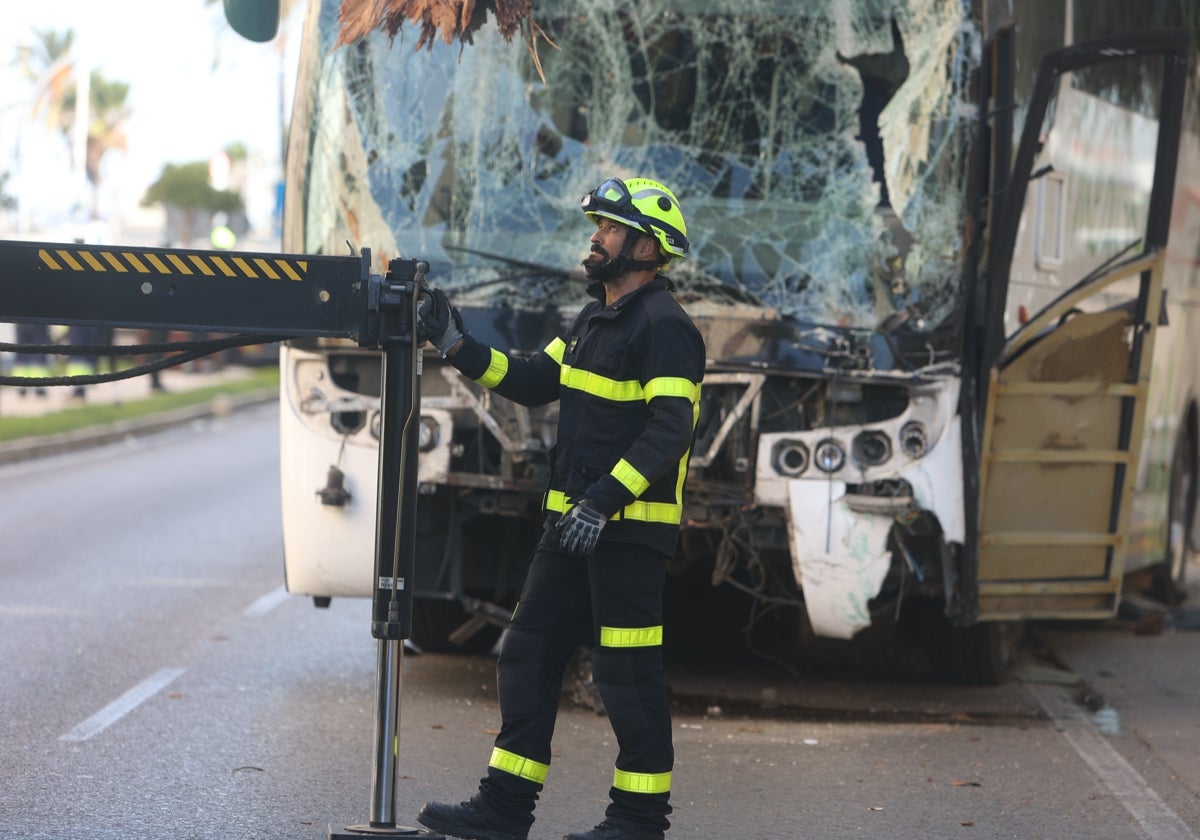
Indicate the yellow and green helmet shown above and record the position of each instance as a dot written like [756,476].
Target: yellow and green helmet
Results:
[644,205]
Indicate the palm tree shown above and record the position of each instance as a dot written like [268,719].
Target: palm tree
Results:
[50,64]
[106,122]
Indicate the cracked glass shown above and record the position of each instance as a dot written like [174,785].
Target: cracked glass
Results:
[818,150]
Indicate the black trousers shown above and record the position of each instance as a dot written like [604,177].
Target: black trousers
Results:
[613,601]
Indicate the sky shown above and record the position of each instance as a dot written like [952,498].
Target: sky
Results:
[195,88]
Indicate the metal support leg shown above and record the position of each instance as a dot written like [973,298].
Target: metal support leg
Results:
[395,549]
[389,685]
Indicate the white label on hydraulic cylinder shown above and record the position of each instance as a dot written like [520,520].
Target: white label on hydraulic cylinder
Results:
[390,583]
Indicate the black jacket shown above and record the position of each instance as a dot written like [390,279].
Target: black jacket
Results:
[627,378]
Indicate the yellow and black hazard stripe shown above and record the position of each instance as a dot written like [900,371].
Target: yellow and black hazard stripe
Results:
[174,263]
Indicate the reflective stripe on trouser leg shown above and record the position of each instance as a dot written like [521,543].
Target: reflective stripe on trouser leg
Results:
[633,686]
[627,583]
[548,624]
[519,766]
[642,782]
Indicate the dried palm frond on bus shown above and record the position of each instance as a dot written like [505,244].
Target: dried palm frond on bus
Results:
[451,19]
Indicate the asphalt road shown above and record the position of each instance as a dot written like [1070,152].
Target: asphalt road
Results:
[158,682]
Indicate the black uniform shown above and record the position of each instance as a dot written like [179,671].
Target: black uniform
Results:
[627,378]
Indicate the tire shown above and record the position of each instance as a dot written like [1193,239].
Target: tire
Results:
[434,619]
[978,654]
[1170,583]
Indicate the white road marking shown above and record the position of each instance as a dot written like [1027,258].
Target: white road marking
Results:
[123,705]
[267,602]
[1155,817]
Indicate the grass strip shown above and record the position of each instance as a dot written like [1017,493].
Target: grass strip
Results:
[84,416]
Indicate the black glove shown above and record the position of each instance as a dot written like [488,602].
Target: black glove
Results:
[579,529]
[438,321]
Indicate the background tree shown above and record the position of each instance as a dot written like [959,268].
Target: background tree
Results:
[189,200]
[7,202]
[106,121]
[49,62]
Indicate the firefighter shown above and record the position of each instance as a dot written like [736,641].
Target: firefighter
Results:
[627,377]
[32,364]
[83,364]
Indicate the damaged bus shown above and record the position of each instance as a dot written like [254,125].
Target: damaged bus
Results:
[944,264]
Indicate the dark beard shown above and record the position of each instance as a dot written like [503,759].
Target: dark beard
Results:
[609,268]
[606,271]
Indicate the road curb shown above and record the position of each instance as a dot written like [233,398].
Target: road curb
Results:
[27,449]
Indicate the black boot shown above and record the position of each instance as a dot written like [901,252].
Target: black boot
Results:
[606,831]
[466,820]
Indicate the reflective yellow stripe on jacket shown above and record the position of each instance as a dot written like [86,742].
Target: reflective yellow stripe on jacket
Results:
[667,513]
[556,349]
[496,371]
[634,481]
[627,390]
[498,364]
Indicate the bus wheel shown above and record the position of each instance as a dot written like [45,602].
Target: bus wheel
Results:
[435,619]
[980,654]
[1169,584]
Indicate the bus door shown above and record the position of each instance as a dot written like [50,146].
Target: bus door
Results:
[1074,298]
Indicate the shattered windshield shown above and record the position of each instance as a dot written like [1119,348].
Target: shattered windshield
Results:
[818,149]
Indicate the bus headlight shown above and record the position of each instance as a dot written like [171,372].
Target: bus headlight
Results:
[914,439]
[829,456]
[311,402]
[871,449]
[789,458]
[429,434]
[347,422]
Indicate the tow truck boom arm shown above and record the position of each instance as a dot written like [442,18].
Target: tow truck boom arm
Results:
[282,295]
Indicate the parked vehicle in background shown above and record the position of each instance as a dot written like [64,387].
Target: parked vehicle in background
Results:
[944,267]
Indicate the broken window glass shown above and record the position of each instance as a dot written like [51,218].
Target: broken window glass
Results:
[818,149]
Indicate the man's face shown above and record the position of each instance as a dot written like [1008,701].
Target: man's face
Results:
[606,243]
